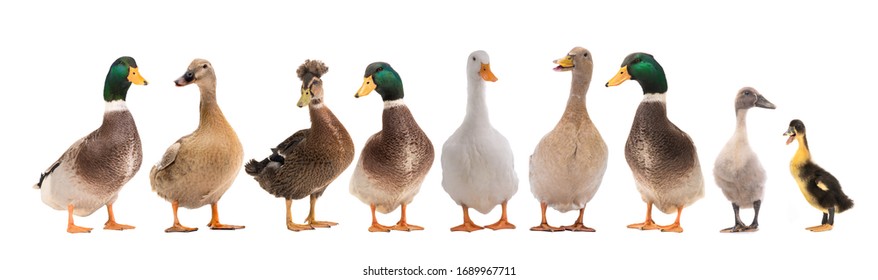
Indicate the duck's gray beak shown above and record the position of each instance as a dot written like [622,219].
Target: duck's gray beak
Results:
[761,102]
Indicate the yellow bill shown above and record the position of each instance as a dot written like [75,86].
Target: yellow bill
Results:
[620,77]
[367,87]
[486,73]
[564,64]
[134,76]
[305,99]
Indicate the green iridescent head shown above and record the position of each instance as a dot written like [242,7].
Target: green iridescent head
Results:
[122,74]
[382,78]
[642,68]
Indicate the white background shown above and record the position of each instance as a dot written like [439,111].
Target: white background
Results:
[814,61]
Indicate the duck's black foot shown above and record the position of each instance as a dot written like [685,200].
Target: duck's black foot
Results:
[739,227]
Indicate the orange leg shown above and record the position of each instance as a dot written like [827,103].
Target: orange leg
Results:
[578,226]
[503,223]
[311,220]
[111,220]
[544,225]
[402,225]
[468,224]
[376,227]
[294,226]
[71,228]
[177,227]
[649,223]
[214,219]
[675,227]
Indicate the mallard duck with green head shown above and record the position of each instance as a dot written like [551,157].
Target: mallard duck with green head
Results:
[93,170]
[661,156]
[308,161]
[395,160]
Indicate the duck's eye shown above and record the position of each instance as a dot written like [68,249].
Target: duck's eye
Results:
[585,55]
[636,60]
[379,69]
[474,58]
[747,93]
[204,66]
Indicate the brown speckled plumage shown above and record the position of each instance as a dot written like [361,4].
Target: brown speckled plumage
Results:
[395,160]
[663,159]
[93,170]
[309,160]
[312,158]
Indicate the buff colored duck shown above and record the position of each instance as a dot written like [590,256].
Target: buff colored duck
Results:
[568,164]
[199,168]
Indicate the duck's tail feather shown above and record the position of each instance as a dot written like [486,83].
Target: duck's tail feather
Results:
[844,203]
[43,175]
[254,167]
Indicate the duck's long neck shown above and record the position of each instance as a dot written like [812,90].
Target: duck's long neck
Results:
[803,154]
[741,125]
[578,88]
[321,117]
[210,113]
[476,105]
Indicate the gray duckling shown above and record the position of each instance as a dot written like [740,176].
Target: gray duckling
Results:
[737,170]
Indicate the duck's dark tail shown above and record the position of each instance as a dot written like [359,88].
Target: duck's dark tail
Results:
[254,167]
[844,203]
[43,175]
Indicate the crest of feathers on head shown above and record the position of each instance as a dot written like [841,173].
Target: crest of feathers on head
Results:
[314,67]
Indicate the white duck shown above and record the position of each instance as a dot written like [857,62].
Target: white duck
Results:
[477,162]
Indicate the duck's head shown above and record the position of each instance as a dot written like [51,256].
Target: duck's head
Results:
[122,74]
[478,66]
[748,98]
[642,68]
[312,86]
[382,78]
[577,58]
[199,72]
[796,131]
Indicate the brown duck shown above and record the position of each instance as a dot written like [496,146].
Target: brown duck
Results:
[308,161]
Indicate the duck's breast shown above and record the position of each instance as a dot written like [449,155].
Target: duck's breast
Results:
[663,159]
[739,174]
[568,165]
[478,169]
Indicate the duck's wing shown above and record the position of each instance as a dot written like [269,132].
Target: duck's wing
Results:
[48,171]
[286,147]
[73,149]
[824,182]
[169,156]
